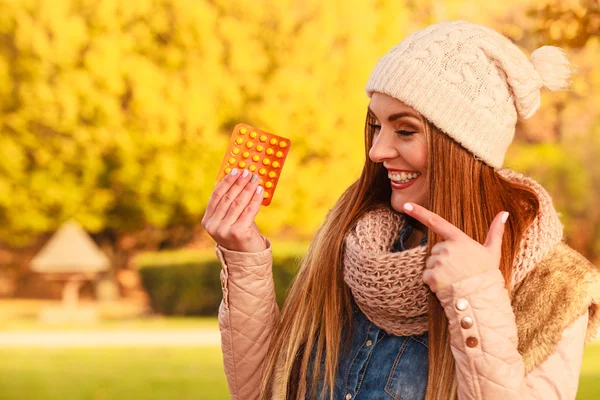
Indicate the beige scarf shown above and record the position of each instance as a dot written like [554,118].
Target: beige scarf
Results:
[388,286]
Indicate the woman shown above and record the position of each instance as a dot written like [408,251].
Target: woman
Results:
[437,274]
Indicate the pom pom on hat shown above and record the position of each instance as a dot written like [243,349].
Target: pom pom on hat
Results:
[553,66]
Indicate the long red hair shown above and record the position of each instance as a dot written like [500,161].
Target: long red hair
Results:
[318,303]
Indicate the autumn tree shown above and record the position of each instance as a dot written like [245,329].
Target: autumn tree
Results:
[117,113]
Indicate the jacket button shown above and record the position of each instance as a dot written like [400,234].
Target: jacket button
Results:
[472,341]
[461,304]
[348,396]
[369,342]
[466,322]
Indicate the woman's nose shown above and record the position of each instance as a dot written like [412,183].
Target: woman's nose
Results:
[382,148]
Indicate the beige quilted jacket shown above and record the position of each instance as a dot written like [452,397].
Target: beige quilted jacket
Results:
[491,369]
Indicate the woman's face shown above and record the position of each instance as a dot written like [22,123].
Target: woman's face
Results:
[400,144]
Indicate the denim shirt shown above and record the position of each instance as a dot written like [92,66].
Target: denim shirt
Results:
[379,365]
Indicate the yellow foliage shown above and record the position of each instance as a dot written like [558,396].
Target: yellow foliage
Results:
[117,113]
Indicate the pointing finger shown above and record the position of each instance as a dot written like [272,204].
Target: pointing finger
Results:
[434,222]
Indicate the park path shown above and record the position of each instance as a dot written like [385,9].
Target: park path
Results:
[168,338]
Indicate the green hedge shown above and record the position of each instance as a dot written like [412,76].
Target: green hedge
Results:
[186,282]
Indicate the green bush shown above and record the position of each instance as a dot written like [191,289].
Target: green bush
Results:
[186,282]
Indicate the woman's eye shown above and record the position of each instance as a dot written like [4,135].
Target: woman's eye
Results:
[375,126]
[400,132]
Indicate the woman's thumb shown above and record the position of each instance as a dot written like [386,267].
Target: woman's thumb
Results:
[494,237]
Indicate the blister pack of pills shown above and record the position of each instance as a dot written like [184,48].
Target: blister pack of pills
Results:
[262,153]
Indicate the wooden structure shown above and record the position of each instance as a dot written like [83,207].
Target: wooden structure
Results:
[70,256]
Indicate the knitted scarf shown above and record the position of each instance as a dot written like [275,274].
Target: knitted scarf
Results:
[388,286]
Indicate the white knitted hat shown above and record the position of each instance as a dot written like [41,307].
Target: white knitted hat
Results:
[471,82]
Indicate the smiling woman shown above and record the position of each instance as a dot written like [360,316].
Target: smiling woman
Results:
[436,274]
[400,145]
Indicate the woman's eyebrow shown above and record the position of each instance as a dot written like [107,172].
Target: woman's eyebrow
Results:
[395,116]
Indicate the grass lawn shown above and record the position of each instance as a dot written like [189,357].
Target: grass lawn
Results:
[112,374]
[134,324]
[150,374]
[589,382]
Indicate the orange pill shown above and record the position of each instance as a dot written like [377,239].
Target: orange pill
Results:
[261,153]
[260,182]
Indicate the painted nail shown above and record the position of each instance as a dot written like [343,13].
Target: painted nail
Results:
[245,173]
[254,178]
[504,217]
[259,189]
[408,207]
[234,172]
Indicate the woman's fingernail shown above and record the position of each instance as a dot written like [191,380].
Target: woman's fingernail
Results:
[254,178]
[259,189]
[234,172]
[245,173]
[408,207]
[504,217]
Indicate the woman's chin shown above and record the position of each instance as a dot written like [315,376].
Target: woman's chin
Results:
[398,200]
[397,203]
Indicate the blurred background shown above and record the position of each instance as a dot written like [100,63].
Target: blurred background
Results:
[114,116]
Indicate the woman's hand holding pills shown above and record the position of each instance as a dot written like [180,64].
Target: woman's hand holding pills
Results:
[230,213]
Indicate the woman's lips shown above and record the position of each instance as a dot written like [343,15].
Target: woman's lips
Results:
[400,186]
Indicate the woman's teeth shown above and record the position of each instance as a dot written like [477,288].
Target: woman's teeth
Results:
[402,177]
